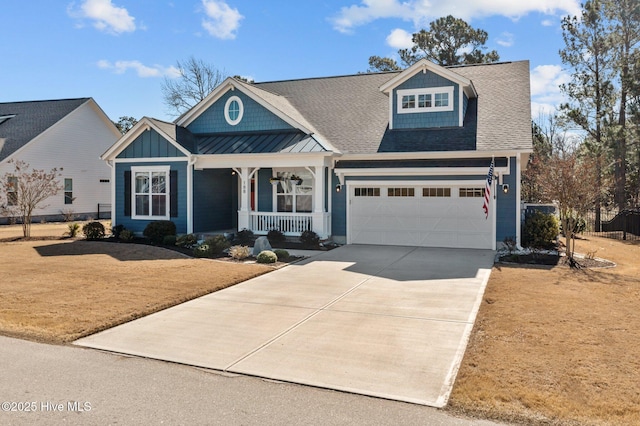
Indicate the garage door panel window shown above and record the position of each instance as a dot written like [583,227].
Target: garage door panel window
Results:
[436,192]
[471,192]
[400,192]
[367,192]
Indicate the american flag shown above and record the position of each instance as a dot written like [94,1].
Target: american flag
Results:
[487,191]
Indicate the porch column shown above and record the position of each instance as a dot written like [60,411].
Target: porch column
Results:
[244,202]
[320,224]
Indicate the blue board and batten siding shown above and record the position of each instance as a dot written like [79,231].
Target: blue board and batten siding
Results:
[255,118]
[424,119]
[137,225]
[150,144]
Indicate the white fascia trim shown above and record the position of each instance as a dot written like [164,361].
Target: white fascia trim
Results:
[152,160]
[426,183]
[427,155]
[141,126]
[300,159]
[420,171]
[424,65]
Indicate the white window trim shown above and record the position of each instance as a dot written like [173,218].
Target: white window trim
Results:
[226,110]
[150,169]
[294,193]
[424,91]
[64,191]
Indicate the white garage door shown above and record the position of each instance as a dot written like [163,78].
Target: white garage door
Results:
[426,215]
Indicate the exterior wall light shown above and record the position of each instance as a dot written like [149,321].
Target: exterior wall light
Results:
[338,187]
[505,188]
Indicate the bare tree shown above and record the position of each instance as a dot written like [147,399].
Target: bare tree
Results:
[196,80]
[571,182]
[25,189]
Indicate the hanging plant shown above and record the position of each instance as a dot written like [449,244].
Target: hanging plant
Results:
[296,179]
[274,180]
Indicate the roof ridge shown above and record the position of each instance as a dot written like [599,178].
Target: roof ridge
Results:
[46,100]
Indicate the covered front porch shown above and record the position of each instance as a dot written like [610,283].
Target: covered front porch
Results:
[286,192]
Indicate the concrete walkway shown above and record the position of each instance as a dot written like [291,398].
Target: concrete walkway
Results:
[390,322]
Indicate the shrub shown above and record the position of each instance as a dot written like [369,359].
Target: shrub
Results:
[239,252]
[202,250]
[74,228]
[540,230]
[125,235]
[93,230]
[245,237]
[211,247]
[310,238]
[267,256]
[68,215]
[116,230]
[510,243]
[282,254]
[169,240]
[187,240]
[275,236]
[156,231]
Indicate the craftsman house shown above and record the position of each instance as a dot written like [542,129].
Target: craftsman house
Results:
[397,158]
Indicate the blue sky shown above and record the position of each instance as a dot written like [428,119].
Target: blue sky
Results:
[119,51]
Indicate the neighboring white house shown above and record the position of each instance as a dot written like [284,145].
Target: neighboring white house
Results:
[67,134]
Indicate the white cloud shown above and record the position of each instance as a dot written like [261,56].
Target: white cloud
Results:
[144,71]
[505,39]
[223,21]
[420,12]
[400,39]
[545,88]
[548,23]
[105,16]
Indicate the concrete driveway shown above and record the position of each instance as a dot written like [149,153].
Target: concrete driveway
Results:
[384,321]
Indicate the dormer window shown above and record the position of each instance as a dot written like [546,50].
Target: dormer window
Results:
[431,99]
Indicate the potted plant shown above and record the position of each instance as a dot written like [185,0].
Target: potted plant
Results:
[274,180]
[296,179]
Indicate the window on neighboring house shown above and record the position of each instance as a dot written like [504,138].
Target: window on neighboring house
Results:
[68,191]
[427,99]
[471,192]
[294,196]
[367,192]
[12,191]
[150,192]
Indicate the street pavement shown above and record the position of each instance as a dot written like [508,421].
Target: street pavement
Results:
[70,385]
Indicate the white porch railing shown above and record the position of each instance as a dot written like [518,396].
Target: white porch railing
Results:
[287,223]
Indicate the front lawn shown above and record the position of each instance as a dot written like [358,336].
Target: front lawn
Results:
[553,345]
[60,290]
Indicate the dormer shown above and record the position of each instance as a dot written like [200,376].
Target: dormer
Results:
[427,95]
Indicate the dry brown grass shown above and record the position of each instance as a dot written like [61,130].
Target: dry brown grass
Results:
[58,291]
[557,346]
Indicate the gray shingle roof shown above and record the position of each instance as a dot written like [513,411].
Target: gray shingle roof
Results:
[353,115]
[31,119]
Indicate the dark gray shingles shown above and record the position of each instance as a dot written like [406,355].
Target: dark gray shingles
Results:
[31,119]
[353,115]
